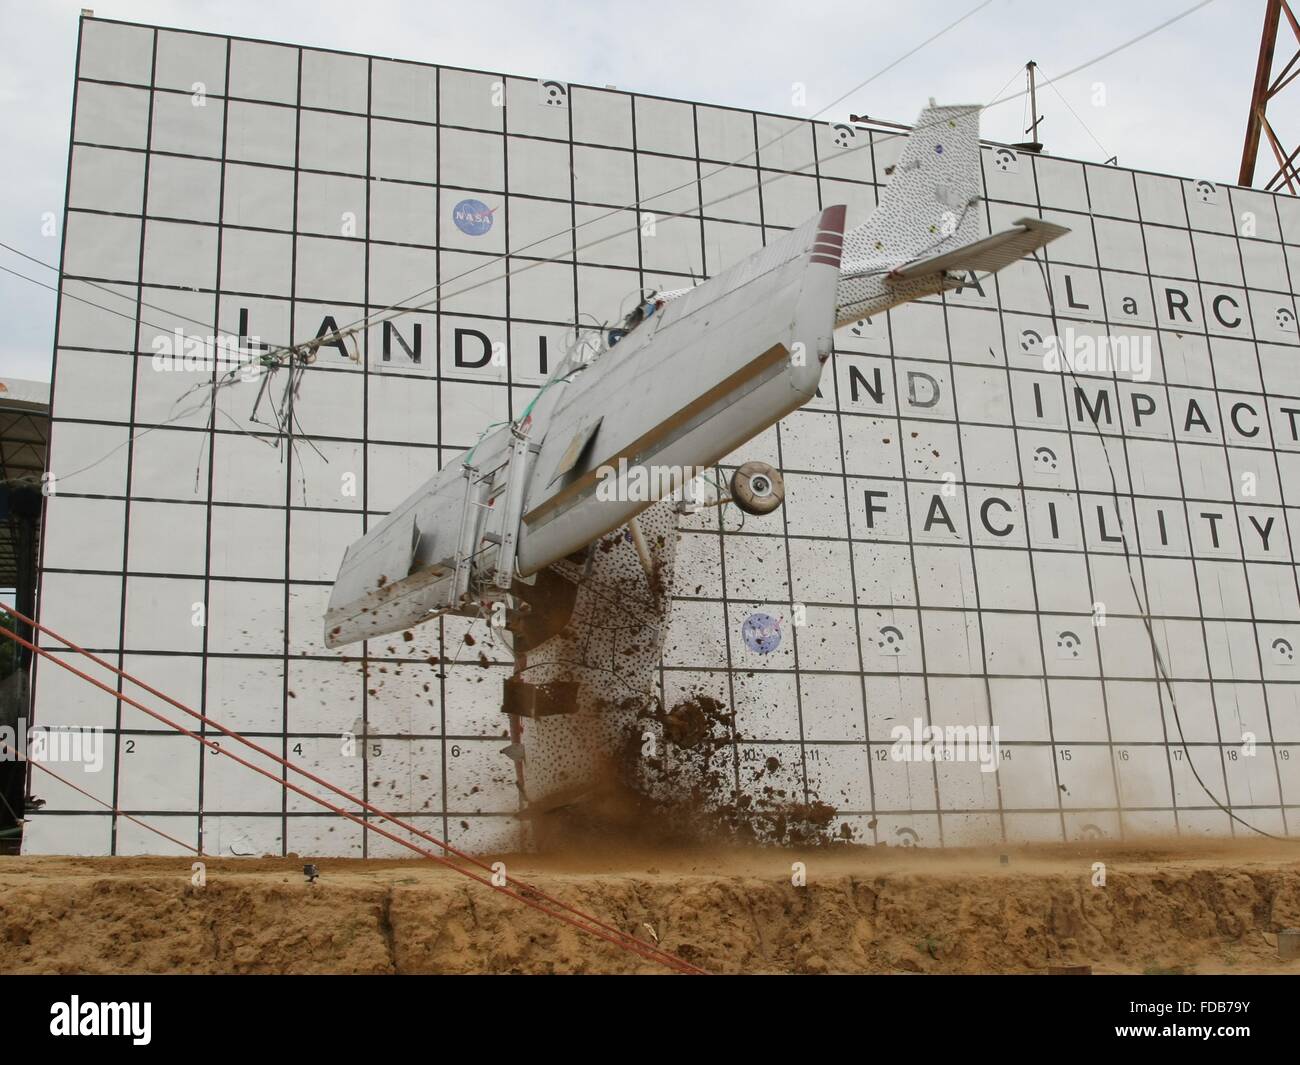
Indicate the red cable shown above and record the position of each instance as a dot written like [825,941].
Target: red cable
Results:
[587,923]
[107,805]
[593,927]
[666,956]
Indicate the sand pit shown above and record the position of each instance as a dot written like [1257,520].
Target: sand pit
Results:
[1196,908]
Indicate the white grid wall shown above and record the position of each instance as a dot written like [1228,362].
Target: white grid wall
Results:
[945,486]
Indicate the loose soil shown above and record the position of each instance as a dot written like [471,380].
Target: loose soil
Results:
[1165,907]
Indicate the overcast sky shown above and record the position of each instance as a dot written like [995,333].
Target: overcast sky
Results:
[1174,103]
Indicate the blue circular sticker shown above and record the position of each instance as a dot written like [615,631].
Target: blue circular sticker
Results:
[761,633]
[472,217]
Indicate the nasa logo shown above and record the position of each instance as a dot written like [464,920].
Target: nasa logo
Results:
[472,217]
[761,633]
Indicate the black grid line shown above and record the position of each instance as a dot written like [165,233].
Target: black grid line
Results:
[212,455]
[1200,602]
[1232,480]
[1079,497]
[1087,554]
[126,533]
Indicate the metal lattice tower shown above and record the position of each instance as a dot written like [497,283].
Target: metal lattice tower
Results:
[1265,89]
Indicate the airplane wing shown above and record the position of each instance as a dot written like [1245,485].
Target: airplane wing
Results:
[418,561]
[682,390]
[987,255]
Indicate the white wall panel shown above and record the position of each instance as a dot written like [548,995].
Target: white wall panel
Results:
[949,530]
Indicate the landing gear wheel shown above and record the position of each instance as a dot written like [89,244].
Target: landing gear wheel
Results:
[757,488]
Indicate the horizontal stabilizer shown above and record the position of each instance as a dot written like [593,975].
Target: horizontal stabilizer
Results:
[988,255]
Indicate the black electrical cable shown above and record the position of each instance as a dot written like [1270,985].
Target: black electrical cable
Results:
[1147,623]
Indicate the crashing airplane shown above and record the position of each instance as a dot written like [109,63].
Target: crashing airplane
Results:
[688,378]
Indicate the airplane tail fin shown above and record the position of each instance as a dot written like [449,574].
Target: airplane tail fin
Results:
[931,203]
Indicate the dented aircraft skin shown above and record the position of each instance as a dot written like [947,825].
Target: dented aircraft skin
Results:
[707,370]
[706,375]
[687,387]
[718,364]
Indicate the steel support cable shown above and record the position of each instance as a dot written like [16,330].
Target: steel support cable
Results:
[351,328]
[396,310]
[274,357]
[581,921]
[362,322]
[526,893]
[1148,623]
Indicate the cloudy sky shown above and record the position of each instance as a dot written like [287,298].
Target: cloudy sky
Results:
[1175,102]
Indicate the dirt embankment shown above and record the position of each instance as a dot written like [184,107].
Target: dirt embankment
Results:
[1175,907]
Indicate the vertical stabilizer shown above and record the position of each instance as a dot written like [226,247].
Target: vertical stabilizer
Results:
[930,205]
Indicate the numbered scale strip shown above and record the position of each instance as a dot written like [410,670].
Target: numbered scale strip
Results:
[10,752]
[505,884]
